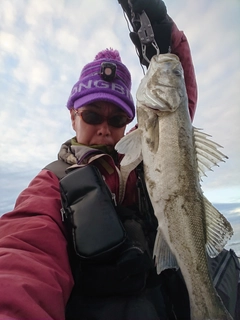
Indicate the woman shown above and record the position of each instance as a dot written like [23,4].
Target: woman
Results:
[38,268]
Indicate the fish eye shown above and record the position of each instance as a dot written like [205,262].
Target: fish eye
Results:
[177,72]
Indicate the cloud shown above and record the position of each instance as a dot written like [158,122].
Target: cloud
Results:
[235,211]
[45,45]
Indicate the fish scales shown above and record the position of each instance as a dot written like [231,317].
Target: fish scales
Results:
[171,173]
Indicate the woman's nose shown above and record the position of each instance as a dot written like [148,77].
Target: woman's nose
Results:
[104,129]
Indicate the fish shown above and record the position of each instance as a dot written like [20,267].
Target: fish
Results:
[175,157]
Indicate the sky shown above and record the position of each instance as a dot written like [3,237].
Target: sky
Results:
[45,44]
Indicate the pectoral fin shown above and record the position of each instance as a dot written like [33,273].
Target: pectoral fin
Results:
[131,146]
[219,230]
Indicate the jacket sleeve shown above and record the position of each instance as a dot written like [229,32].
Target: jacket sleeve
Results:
[35,275]
[181,48]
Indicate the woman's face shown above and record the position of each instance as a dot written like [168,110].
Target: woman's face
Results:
[98,134]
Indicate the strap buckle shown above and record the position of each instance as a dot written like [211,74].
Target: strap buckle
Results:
[146,35]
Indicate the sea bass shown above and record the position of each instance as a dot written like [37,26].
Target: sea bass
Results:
[175,155]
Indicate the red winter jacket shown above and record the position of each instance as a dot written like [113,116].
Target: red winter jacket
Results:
[35,275]
[180,47]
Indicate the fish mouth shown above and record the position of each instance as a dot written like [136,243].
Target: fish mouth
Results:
[166,86]
[162,106]
[170,101]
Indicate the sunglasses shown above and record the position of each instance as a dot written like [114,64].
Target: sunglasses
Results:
[94,118]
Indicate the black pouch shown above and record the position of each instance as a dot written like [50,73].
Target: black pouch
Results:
[125,272]
[89,211]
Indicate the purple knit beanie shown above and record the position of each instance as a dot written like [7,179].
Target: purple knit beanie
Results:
[92,86]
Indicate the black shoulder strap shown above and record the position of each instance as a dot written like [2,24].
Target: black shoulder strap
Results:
[58,167]
[144,202]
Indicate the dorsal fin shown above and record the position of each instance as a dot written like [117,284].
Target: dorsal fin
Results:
[207,152]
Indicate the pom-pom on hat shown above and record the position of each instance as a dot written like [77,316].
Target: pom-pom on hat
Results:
[104,79]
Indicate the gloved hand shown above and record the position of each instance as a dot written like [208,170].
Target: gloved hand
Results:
[161,25]
[155,9]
